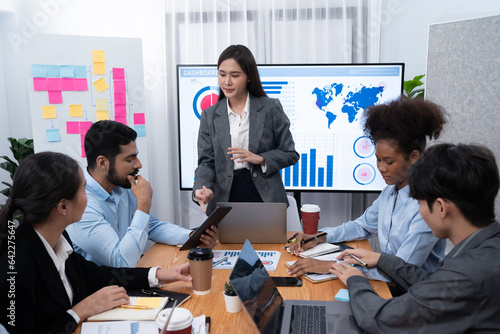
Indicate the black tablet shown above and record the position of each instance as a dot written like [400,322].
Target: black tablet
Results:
[214,219]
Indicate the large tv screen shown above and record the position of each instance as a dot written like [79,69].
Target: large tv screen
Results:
[325,105]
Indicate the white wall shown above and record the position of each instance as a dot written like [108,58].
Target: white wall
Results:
[405,27]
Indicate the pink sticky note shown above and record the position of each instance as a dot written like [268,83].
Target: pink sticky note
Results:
[139,119]
[67,84]
[82,141]
[118,73]
[72,127]
[121,119]
[55,97]
[119,86]
[120,98]
[54,83]
[84,127]
[40,83]
[120,110]
[81,84]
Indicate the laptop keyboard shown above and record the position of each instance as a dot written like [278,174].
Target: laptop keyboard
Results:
[308,319]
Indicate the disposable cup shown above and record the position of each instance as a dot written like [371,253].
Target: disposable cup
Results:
[200,266]
[310,218]
[180,323]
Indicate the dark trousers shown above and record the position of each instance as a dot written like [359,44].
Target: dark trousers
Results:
[243,189]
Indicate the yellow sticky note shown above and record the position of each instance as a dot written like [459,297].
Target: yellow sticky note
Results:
[98,56]
[153,302]
[101,85]
[101,104]
[101,115]
[49,112]
[99,69]
[75,110]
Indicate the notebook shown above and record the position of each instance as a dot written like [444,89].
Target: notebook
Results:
[318,278]
[319,249]
[271,314]
[262,223]
[157,304]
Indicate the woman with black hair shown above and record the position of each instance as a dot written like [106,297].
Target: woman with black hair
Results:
[244,139]
[46,287]
[398,130]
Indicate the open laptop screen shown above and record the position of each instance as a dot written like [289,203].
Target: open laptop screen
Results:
[257,291]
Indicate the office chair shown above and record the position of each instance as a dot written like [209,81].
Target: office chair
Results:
[292,216]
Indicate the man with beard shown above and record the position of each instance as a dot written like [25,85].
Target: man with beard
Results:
[116,224]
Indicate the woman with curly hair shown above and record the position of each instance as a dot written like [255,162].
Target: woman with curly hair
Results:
[399,131]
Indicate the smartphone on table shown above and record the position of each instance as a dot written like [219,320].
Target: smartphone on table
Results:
[287,281]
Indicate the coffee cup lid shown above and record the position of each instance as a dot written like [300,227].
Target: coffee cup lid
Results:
[181,319]
[200,254]
[310,208]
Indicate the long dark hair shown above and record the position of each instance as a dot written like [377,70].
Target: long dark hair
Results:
[40,182]
[244,57]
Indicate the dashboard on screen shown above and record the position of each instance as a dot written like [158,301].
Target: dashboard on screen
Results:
[325,105]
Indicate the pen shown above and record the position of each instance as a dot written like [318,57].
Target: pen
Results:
[149,292]
[313,238]
[136,307]
[361,262]
[292,238]
[220,261]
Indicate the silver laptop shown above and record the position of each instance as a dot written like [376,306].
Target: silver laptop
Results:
[261,223]
[271,314]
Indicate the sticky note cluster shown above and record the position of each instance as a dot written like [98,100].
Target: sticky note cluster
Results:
[58,78]
[120,95]
[79,128]
[98,62]
[101,107]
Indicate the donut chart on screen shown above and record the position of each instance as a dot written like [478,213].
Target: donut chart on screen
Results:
[204,98]
[364,174]
[363,147]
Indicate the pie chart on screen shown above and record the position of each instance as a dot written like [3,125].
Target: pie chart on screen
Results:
[204,98]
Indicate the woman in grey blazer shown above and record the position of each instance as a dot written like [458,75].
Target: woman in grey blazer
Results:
[244,139]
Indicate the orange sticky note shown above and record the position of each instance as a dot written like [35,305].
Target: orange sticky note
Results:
[99,68]
[49,112]
[101,85]
[75,110]
[101,115]
[98,56]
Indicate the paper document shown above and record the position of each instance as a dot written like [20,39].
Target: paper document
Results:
[270,259]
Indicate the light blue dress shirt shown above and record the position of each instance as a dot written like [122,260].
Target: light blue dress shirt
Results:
[113,233]
[400,228]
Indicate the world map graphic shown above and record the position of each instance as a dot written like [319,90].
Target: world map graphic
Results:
[353,99]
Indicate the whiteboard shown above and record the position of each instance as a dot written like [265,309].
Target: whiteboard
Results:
[119,66]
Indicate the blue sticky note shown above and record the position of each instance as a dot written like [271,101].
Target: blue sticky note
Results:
[53,135]
[342,295]
[38,71]
[141,130]
[80,71]
[67,71]
[53,71]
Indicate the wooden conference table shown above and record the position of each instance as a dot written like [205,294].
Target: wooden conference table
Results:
[212,305]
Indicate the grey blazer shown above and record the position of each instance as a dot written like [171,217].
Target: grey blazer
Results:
[269,137]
